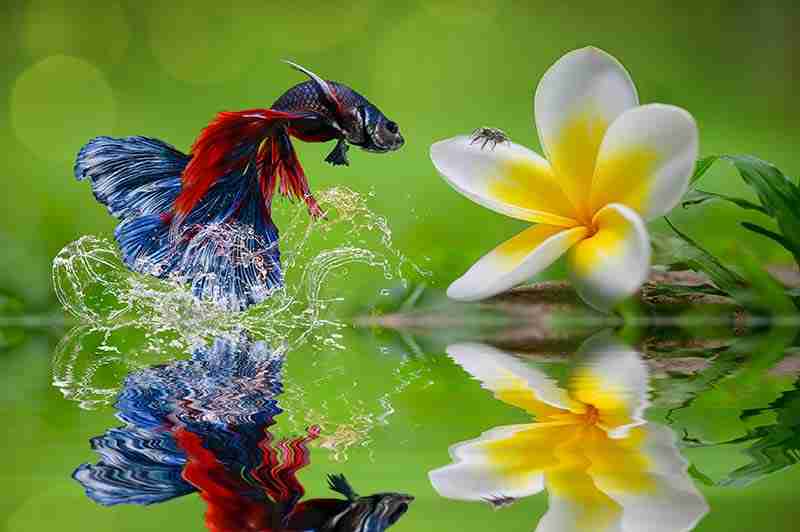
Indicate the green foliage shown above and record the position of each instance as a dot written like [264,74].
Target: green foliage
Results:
[778,199]
[749,285]
[697,196]
[701,167]
[694,256]
[778,196]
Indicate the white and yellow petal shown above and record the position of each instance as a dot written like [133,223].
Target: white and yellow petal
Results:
[614,262]
[478,473]
[509,179]
[510,379]
[612,378]
[515,261]
[646,159]
[576,101]
[575,504]
[649,480]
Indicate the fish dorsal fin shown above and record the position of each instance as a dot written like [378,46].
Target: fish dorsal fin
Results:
[329,97]
[339,484]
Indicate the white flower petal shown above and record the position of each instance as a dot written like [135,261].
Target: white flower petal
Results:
[662,498]
[509,179]
[475,475]
[575,102]
[593,512]
[613,263]
[515,261]
[612,377]
[646,159]
[511,380]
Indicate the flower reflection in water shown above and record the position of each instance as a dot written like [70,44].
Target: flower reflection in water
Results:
[604,467]
[203,425]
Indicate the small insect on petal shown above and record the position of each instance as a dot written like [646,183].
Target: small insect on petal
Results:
[489,135]
[499,501]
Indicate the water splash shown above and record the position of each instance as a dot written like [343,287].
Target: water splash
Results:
[350,418]
[94,286]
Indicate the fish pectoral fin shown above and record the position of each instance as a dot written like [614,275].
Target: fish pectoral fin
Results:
[339,484]
[338,156]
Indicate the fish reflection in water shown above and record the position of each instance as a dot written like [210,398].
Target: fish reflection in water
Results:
[202,425]
[603,466]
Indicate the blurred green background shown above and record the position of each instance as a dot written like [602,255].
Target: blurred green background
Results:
[76,69]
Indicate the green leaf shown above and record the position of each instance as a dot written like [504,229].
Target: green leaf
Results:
[780,239]
[700,476]
[698,259]
[696,197]
[702,166]
[779,196]
[764,296]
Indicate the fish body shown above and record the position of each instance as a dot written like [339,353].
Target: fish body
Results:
[351,118]
[205,217]
[373,513]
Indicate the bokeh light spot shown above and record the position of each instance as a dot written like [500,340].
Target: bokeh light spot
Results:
[212,44]
[60,103]
[218,43]
[98,31]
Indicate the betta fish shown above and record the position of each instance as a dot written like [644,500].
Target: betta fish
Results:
[203,426]
[206,218]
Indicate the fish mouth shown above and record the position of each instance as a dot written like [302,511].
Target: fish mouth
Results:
[399,508]
[375,144]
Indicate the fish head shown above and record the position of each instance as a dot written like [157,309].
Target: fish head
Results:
[374,513]
[374,132]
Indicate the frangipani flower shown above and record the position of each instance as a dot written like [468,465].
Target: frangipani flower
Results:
[604,467]
[611,165]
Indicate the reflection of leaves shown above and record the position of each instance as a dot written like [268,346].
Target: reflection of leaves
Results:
[775,447]
[736,389]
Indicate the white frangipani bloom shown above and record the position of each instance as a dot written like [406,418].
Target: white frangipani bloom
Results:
[604,467]
[610,165]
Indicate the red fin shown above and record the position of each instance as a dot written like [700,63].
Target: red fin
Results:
[285,165]
[227,144]
[227,509]
[277,474]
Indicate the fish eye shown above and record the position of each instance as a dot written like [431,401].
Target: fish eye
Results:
[391,126]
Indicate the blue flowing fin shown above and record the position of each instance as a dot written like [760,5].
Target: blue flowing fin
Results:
[132,175]
[136,466]
[227,246]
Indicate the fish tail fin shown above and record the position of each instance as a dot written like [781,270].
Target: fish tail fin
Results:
[226,494]
[227,147]
[136,466]
[277,473]
[145,244]
[235,264]
[137,179]
[131,175]
[286,166]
